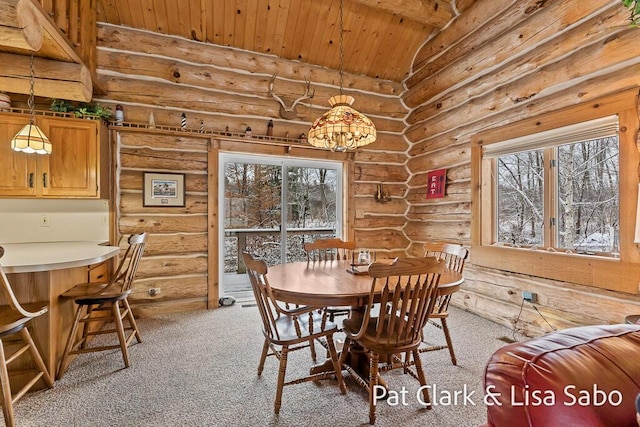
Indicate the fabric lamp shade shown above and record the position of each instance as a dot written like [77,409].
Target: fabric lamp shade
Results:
[342,128]
[31,139]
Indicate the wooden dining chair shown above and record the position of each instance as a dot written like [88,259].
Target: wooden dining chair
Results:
[454,257]
[14,319]
[322,250]
[289,330]
[408,288]
[100,304]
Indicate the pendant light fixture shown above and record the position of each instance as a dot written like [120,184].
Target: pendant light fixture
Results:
[31,139]
[342,128]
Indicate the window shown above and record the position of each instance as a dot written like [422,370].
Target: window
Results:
[555,196]
[520,187]
[575,169]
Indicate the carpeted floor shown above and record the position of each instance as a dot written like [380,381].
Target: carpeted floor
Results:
[199,369]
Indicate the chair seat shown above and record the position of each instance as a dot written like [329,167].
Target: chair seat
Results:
[11,320]
[84,289]
[286,327]
[103,298]
[95,293]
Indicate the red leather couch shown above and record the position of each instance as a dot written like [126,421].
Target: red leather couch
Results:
[587,376]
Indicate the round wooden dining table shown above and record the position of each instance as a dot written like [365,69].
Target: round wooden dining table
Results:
[335,283]
[329,283]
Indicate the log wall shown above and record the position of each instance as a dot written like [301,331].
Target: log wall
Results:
[222,91]
[518,60]
[176,255]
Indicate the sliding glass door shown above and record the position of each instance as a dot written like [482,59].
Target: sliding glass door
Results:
[271,206]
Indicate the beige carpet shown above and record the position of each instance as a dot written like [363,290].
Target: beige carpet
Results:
[199,369]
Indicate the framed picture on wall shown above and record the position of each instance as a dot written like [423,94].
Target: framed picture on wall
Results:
[163,189]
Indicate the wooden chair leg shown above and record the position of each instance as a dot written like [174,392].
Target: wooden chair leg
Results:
[373,382]
[337,367]
[421,377]
[64,363]
[344,352]
[37,358]
[282,371]
[312,348]
[85,328]
[312,344]
[115,310]
[132,320]
[7,400]
[447,337]
[263,356]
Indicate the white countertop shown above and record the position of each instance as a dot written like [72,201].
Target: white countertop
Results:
[33,257]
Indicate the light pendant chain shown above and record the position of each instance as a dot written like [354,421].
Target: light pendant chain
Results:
[30,101]
[341,44]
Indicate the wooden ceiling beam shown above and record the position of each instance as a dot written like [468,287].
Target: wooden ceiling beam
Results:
[26,28]
[435,13]
[20,25]
[53,79]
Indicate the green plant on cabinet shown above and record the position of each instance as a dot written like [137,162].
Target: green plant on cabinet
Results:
[84,109]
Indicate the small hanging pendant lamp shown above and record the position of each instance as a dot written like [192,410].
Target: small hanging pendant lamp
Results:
[31,139]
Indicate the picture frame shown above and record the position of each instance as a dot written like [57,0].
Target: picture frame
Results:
[163,190]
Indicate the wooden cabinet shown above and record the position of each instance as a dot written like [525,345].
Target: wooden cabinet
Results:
[78,166]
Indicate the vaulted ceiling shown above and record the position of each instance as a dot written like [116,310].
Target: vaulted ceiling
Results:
[381,37]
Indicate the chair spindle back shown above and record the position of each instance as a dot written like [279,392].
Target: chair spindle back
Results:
[329,250]
[453,254]
[408,288]
[126,271]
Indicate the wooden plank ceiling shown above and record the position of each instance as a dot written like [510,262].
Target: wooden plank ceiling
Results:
[380,36]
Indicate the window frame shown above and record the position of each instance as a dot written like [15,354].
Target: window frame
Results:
[619,274]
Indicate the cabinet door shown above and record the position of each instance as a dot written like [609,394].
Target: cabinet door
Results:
[18,170]
[71,168]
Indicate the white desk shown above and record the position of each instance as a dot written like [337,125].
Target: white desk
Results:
[33,257]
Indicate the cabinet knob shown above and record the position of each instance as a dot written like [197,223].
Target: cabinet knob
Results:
[31,180]
[44,180]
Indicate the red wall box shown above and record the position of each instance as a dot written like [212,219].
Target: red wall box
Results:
[436,180]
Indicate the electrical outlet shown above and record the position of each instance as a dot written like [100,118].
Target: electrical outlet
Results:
[44,221]
[105,219]
[154,291]
[532,297]
[359,214]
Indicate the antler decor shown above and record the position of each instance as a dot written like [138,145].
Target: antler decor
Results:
[289,112]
